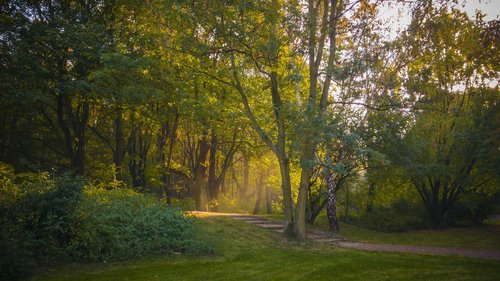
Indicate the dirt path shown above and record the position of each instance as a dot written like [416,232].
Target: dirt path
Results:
[328,238]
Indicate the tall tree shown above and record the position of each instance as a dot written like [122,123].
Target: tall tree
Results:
[447,76]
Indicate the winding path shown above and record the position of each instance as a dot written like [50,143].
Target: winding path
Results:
[330,239]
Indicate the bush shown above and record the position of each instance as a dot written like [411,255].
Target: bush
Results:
[185,204]
[44,218]
[473,209]
[401,216]
[121,224]
[37,219]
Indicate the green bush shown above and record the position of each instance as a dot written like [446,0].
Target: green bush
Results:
[401,216]
[37,219]
[46,218]
[185,204]
[473,209]
[121,224]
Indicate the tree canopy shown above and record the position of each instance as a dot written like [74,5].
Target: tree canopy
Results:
[224,101]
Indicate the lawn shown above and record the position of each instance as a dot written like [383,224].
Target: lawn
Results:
[480,237]
[246,252]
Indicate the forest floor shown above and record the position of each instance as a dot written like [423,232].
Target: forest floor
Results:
[324,237]
[247,252]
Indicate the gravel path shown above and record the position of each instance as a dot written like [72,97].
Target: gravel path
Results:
[441,251]
[328,238]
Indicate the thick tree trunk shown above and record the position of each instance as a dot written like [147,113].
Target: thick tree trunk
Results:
[300,211]
[213,186]
[200,175]
[280,151]
[286,188]
[331,203]
[327,26]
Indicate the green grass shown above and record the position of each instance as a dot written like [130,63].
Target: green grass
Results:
[246,252]
[480,237]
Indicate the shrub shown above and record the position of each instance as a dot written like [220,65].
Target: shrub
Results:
[473,209]
[121,224]
[44,218]
[37,219]
[401,216]
[185,204]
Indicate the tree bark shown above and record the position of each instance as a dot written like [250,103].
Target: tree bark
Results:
[213,187]
[269,200]
[258,193]
[300,211]
[74,129]
[331,203]
[246,182]
[118,153]
[200,175]
[313,109]
[138,148]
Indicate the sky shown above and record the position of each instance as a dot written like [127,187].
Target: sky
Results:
[398,14]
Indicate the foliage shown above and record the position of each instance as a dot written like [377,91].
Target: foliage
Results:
[37,219]
[473,209]
[197,100]
[120,224]
[186,204]
[47,218]
[251,253]
[400,216]
[444,149]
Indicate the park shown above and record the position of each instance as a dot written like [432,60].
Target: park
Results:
[249,140]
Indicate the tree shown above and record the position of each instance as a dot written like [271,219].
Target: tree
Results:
[57,45]
[453,106]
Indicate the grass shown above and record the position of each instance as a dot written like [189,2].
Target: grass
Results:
[480,237]
[246,252]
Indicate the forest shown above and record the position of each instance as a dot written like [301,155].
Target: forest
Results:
[118,117]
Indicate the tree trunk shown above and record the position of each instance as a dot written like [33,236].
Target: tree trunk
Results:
[315,206]
[331,203]
[138,148]
[371,196]
[269,200]
[200,175]
[213,187]
[172,137]
[312,108]
[79,164]
[118,153]
[258,192]
[244,194]
[300,211]
[286,188]
[73,129]
[280,151]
